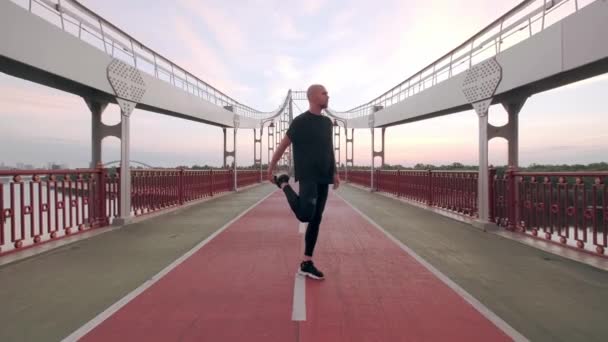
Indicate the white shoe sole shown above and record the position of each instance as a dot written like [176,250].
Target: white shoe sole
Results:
[306,274]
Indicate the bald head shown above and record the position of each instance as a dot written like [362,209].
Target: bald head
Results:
[318,98]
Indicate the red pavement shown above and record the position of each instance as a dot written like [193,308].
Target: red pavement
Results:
[239,287]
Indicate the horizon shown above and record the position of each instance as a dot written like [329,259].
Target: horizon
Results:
[456,165]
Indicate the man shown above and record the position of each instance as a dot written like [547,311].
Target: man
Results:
[315,168]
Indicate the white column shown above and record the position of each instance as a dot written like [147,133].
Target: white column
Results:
[337,145]
[513,107]
[261,151]
[225,149]
[235,176]
[382,152]
[479,87]
[514,139]
[97,129]
[371,183]
[350,141]
[129,87]
[483,182]
[255,146]
[257,161]
[372,125]
[125,170]
[236,123]
[270,141]
[96,139]
[290,113]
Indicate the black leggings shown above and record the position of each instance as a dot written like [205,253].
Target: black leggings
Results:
[308,207]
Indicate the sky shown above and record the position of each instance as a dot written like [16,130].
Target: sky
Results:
[256,50]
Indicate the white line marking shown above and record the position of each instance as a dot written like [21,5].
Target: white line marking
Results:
[298,312]
[85,329]
[492,317]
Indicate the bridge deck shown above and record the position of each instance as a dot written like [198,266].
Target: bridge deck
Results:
[240,284]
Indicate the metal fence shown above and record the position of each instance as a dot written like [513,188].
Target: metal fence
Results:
[570,208]
[44,205]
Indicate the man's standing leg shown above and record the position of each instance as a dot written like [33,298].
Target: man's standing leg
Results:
[312,232]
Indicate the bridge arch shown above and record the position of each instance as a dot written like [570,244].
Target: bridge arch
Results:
[117,162]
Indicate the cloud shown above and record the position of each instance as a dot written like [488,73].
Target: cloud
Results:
[285,66]
[200,59]
[343,24]
[35,111]
[392,43]
[29,98]
[311,7]
[286,27]
[204,62]
[224,27]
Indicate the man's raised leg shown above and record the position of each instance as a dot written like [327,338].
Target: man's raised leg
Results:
[302,205]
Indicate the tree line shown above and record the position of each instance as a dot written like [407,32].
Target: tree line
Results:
[602,166]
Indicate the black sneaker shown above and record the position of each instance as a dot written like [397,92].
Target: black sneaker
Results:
[284,178]
[307,268]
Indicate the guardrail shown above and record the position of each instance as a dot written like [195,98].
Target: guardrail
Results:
[569,208]
[454,191]
[38,206]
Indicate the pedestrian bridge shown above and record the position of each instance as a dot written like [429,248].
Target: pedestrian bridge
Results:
[225,270]
[211,254]
[536,46]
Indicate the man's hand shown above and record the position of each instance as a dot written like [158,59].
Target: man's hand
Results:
[336,181]
[275,158]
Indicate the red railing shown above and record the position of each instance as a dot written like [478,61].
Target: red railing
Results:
[414,185]
[111,186]
[41,206]
[153,190]
[455,191]
[567,207]
[223,181]
[387,181]
[359,177]
[197,184]
[248,177]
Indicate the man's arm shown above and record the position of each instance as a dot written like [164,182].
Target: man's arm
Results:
[277,155]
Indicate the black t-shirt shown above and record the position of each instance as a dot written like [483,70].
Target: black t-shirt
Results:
[313,148]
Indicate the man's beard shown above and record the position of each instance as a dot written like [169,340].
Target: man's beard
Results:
[324,106]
